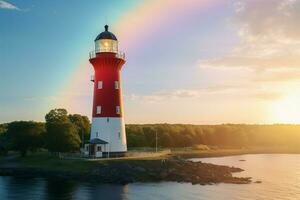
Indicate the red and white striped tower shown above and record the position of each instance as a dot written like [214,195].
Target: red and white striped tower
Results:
[108,123]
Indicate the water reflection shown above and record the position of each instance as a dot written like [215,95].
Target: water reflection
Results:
[68,190]
[280,176]
[92,192]
[21,188]
[57,189]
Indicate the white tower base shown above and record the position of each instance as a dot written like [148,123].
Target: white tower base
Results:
[112,131]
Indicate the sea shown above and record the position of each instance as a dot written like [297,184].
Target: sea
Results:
[274,176]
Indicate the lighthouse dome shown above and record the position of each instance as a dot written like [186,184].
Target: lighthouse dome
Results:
[106,35]
[106,42]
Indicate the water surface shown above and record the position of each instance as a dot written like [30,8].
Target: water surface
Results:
[279,173]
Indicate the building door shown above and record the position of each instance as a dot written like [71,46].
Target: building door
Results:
[92,149]
[99,151]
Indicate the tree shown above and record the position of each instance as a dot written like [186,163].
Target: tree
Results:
[82,124]
[61,135]
[3,129]
[150,136]
[59,115]
[4,143]
[25,135]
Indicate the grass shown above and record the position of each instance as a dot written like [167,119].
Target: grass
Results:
[47,162]
[44,161]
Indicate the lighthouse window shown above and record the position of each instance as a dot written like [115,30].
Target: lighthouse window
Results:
[106,45]
[118,109]
[119,135]
[117,85]
[98,148]
[98,109]
[97,134]
[100,84]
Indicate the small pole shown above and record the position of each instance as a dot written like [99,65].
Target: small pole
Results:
[108,145]
[155,141]
[82,135]
[108,150]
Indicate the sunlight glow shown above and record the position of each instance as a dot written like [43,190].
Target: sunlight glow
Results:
[287,110]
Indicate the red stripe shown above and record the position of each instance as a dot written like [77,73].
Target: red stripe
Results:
[107,69]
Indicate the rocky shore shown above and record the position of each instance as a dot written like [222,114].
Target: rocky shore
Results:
[128,171]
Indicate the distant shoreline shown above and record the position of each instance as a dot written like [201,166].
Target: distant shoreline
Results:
[234,152]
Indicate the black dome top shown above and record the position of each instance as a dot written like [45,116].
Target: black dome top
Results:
[106,35]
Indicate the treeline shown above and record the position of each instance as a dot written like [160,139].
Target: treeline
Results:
[63,132]
[226,135]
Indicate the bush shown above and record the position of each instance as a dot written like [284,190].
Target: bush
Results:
[25,135]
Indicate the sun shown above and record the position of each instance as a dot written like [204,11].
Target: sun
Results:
[286,110]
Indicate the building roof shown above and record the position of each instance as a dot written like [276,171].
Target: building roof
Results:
[106,35]
[97,141]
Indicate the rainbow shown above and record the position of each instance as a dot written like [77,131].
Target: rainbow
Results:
[137,27]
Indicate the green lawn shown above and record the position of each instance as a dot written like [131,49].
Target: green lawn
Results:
[48,162]
[44,161]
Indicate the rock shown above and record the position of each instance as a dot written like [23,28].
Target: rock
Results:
[140,169]
[258,182]
[127,171]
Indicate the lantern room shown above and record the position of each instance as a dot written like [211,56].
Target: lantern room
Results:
[106,42]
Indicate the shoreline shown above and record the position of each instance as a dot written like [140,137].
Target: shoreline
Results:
[130,171]
[173,167]
[232,152]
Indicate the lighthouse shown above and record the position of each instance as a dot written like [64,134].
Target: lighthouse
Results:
[108,137]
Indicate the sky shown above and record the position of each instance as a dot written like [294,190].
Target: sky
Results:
[187,61]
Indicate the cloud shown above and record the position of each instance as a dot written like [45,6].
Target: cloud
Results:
[272,75]
[268,96]
[41,98]
[59,97]
[162,96]
[181,94]
[241,90]
[269,34]
[7,5]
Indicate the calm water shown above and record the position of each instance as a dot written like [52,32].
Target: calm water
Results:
[280,176]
